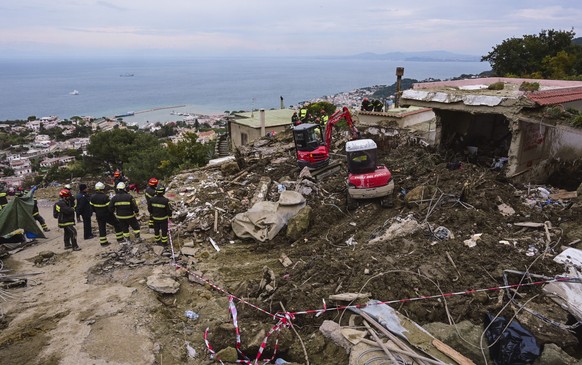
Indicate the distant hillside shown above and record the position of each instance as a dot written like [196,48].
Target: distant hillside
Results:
[577,41]
[425,56]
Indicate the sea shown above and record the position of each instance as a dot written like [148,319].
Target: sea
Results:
[155,89]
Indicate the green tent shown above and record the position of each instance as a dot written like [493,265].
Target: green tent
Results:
[18,214]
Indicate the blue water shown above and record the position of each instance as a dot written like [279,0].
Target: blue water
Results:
[42,88]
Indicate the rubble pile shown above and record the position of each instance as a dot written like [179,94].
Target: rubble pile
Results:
[461,244]
[455,227]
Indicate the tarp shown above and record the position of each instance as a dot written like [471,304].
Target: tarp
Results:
[18,214]
[265,219]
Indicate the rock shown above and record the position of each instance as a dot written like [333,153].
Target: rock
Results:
[228,354]
[554,355]
[402,227]
[158,250]
[229,168]
[163,282]
[188,251]
[299,224]
[46,254]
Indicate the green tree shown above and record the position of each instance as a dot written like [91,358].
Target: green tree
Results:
[525,57]
[147,163]
[111,149]
[188,153]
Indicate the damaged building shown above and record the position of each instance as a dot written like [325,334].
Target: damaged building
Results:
[524,123]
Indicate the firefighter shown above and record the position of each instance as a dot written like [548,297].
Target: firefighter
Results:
[377,105]
[150,192]
[36,215]
[323,117]
[100,205]
[68,188]
[125,209]
[366,105]
[84,211]
[160,211]
[295,119]
[64,212]
[303,114]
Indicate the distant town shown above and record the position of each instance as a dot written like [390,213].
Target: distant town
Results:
[34,146]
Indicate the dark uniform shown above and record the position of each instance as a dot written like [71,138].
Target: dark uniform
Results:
[150,192]
[295,119]
[125,209]
[160,210]
[84,211]
[36,215]
[65,213]
[100,205]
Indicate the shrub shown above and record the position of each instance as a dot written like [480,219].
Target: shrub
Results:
[577,121]
[496,86]
[529,86]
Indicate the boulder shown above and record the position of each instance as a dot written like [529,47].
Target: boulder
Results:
[163,282]
[554,355]
[299,224]
[228,354]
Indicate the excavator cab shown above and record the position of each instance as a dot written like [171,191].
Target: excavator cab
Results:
[362,160]
[309,145]
[367,179]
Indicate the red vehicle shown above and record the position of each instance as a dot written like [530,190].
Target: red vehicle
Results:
[311,147]
[367,179]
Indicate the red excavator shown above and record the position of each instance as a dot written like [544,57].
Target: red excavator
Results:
[367,179]
[312,149]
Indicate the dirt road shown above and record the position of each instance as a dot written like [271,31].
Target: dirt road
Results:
[61,318]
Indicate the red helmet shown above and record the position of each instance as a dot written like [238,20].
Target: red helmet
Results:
[116,174]
[153,182]
[65,193]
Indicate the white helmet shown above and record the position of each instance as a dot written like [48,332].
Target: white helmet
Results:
[121,186]
[99,186]
[67,186]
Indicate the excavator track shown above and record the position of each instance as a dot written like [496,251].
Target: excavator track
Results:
[331,169]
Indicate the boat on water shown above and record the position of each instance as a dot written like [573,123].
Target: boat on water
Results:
[74,92]
[126,75]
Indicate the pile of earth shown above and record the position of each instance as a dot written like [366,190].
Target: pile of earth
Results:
[343,251]
[458,233]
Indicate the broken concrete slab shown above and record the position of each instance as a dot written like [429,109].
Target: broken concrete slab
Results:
[402,227]
[163,281]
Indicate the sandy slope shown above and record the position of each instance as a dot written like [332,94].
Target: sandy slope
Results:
[61,318]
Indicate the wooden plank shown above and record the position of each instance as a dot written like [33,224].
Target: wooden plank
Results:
[563,195]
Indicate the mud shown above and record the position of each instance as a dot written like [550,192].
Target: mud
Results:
[463,200]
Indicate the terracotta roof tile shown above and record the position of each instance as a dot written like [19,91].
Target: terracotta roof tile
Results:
[556,96]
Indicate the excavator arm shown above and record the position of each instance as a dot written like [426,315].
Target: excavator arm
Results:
[344,113]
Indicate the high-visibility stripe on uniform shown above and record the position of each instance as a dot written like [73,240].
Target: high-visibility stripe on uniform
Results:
[161,218]
[125,216]
[122,203]
[99,205]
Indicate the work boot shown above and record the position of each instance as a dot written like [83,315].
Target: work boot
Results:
[76,248]
[46,229]
[105,244]
[68,247]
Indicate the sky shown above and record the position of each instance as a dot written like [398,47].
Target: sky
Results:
[91,28]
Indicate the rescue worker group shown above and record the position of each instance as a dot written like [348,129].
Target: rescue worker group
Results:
[118,211]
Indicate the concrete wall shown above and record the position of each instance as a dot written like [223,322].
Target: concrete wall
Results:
[236,131]
[537,143]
